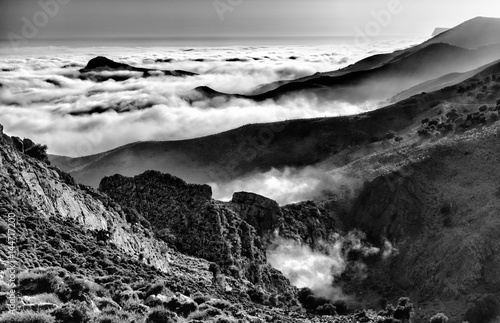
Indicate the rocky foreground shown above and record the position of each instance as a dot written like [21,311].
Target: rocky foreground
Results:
[149,249]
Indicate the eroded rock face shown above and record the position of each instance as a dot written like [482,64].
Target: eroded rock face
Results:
[47,193]
[185,216]
[303,222]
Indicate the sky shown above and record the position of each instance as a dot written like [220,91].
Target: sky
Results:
[74,19]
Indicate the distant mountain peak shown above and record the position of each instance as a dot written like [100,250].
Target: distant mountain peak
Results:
[439,30]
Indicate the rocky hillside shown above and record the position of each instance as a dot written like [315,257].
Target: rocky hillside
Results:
[438,201]
[186,217]
[77,255]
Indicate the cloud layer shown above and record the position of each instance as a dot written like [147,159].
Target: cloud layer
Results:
[319,270]
[42,97]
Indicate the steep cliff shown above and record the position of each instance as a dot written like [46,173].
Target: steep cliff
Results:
[303,222]
[185,216]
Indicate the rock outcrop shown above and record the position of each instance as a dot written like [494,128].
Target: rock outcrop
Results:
[303,222]
[185,216]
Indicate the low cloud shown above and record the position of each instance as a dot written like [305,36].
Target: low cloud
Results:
[42,97]
[320,270]
[289,185]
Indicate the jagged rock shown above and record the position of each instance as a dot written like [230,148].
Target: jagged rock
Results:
[18,143]
[27,144]
[304,222]
[185,216]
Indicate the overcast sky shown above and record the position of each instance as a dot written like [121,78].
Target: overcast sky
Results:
[198,18]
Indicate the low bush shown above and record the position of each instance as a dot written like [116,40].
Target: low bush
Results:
[257,296]
[181,307]
[71,313]
[326,309]
[404,309]
[26,317]
[73,289]
[199,298]
[33,283]
[309,301]
[439,318]
[483,310]
[161,316]
[154,290]
[220,304]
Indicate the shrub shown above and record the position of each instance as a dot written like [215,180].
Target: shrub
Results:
[483,310]
[199,298]
[309,301]
[183,307]
[161,316]
[439,318]
[32,283]
[424,132]
[102,235]
[326,309]
[257,296]
[220,304]
[341,307]
[39,152]
[204,312]
[108,318]
[404,309]
[26,317]
[154,290]
[483,108]
[71,313]
[73,289]
[390,135]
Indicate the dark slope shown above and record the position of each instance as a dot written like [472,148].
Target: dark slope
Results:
[473,34]
[438,203]
[260,147]
[399,73]
[439,83]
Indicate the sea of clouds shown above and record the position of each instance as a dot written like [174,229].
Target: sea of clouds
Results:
[41,96]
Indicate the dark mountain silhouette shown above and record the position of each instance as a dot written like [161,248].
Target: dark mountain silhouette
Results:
[100,63]
[468,46]
[474,33]
[439,83]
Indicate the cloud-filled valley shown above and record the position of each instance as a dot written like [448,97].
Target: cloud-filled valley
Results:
[43,96]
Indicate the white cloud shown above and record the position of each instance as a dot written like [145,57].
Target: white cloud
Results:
[38,94]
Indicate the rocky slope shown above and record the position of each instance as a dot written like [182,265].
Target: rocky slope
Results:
[185,216]
[234,235]
[303,222]
[79,256]
[438,201]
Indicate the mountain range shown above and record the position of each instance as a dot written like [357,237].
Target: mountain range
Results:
[408,214]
